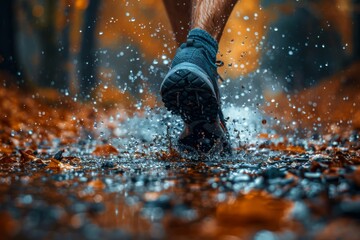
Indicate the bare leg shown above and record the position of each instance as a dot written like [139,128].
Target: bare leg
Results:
[212,15]
[209,15]
[190,88]
[179,13]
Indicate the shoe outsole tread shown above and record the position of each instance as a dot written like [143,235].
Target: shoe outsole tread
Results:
[187,94]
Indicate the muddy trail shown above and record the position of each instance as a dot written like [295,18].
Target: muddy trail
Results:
[72,176]
[262,192]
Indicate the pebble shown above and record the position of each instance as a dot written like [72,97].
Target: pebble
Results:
[312,175]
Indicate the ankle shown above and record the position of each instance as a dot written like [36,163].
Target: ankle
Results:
[208,42]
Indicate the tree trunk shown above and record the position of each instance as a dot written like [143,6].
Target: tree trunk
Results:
[356,29]
[64,54]
[49,50]
[8,58]
[87,56]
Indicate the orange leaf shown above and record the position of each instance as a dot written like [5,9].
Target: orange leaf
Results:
[105,150]
[254,208]
[27,156]
[356,176]
[7,159]
[97,184]
[57,165]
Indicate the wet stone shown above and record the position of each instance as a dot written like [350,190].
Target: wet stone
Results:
[350,208]
[91,231]
[312,175]
[153,214]
[117,234]
[296,193]
[273,172]
[280,181]
[163,202]
[108,164]
[264,234]
[184,212]
[44,216]
[300,211]
[250,166]
[78,207]
[331,178]
[300,159]
[58,155]
[355,136]
[95,207]
[321,158]
[241,178]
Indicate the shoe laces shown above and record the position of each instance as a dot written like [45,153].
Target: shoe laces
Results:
[192,43]
[219,63]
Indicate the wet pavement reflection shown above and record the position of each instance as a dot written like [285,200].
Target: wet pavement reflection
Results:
[272,191]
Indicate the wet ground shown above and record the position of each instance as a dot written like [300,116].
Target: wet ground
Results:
[269,189]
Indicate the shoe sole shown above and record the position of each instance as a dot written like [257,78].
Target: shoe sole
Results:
[187,91]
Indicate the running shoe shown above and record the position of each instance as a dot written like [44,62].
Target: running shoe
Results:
[190,89]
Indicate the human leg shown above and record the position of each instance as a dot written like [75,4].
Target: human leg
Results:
[209,15]
[179,13]
[190,89]
[212,15]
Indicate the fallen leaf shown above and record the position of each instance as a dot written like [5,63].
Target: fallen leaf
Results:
[356,176]
[97,184]
[57,165]
[340,229]
[8,225]
[71,160]
[27,156]
[105,151]
[7,159]
[258,208]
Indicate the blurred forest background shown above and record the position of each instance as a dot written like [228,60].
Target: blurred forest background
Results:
[118,51]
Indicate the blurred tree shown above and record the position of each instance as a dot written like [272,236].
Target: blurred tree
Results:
[64,46]
[356,29]
[300,50]
[8,58]
[53,41]
[179,14]
[49,52]
[87,58]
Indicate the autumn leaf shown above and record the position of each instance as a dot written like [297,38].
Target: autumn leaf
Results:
[71,160]
[28,156]
[105,151]
[96,184]
[7,160]
[58,166]
[8,225]
[356,176]
[254,208]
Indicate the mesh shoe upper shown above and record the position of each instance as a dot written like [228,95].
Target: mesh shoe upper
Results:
[186,92]
[200,49]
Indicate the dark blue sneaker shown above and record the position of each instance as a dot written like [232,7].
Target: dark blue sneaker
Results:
[191,90]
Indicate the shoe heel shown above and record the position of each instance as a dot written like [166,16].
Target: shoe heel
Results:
[187,91]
